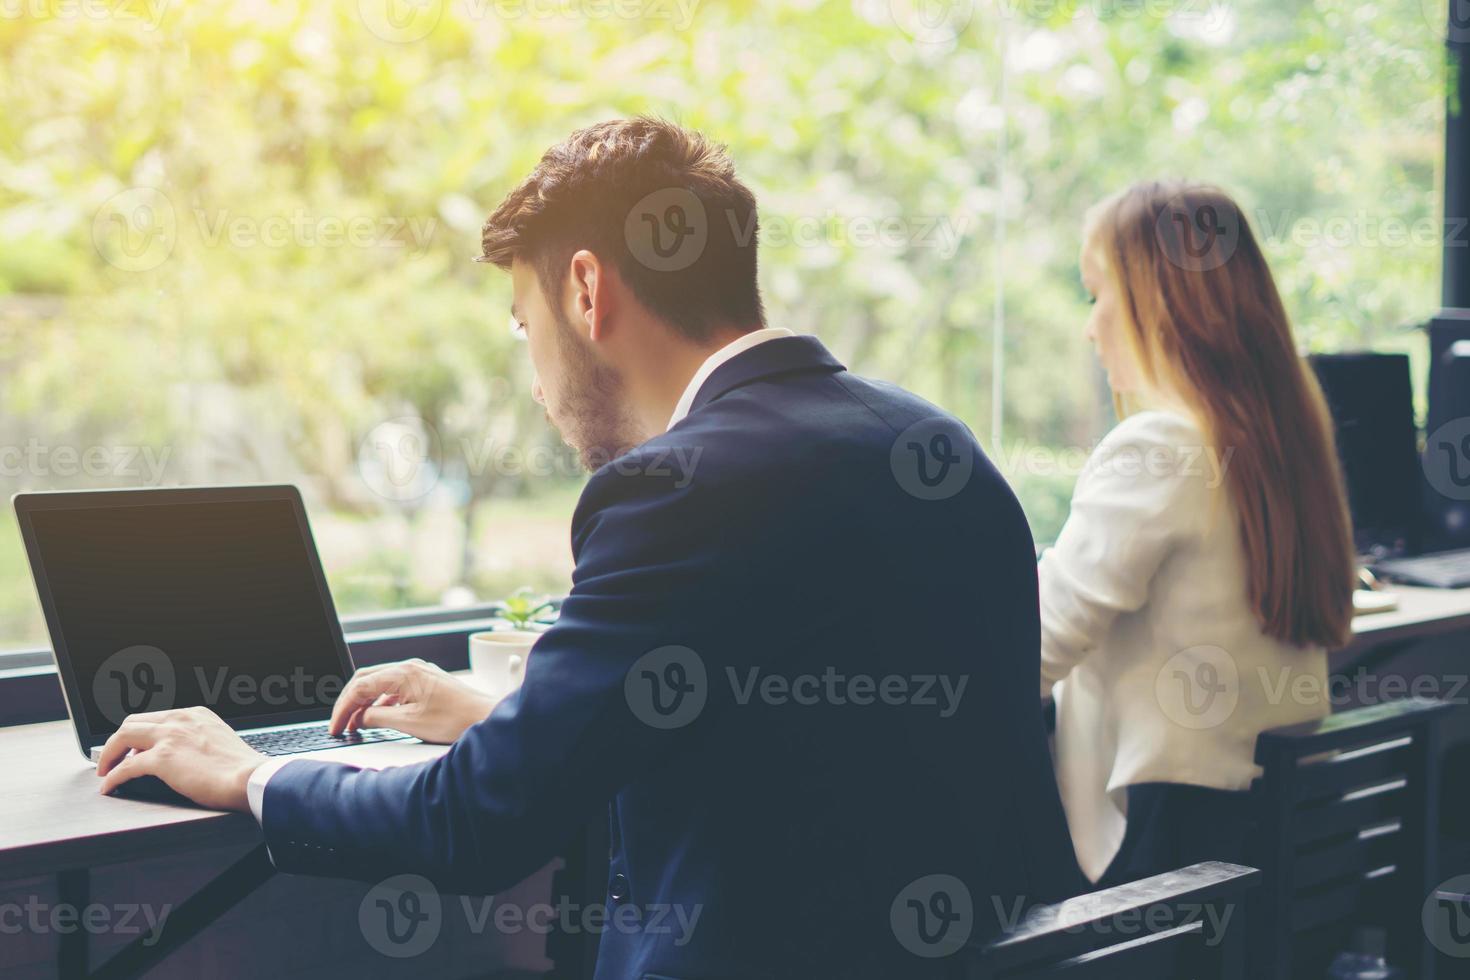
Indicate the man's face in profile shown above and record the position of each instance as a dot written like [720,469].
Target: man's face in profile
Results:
[584,397]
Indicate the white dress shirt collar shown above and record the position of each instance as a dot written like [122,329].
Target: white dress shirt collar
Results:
[739,345]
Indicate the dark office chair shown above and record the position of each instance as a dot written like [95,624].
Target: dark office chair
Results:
[1348,820]
[1183,924]
[1192,918]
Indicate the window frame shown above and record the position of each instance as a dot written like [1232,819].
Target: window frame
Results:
[1456,243]
[30,690]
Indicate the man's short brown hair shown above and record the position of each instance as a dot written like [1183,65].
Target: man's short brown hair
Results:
[635,192]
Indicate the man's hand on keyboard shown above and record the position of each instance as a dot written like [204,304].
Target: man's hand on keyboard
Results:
[190,749]
[413,696]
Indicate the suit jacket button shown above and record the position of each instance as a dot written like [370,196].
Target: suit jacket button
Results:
[619,889]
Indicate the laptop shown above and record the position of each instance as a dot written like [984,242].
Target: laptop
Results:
[213,596]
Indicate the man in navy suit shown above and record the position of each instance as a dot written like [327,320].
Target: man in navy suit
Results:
[797,667]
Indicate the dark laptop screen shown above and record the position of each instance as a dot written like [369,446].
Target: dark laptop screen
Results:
[1371,399]
[182,604]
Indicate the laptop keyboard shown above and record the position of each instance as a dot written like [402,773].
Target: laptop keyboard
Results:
[1443,570]
[311,738]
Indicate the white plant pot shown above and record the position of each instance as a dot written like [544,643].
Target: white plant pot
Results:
[498,658]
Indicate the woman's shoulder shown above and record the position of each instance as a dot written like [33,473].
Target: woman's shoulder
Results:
[1164,449]
[1157,427]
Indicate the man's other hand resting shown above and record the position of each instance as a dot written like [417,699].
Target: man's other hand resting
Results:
[191,749]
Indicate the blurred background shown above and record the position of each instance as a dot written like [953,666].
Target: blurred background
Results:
[236,238]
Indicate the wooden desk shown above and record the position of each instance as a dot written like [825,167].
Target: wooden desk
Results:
[53,821]
[52,818]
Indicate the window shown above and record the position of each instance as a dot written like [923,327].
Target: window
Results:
[235,237]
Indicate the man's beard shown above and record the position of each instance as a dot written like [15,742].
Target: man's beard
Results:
[593,416]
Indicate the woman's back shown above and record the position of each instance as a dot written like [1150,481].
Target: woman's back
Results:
[1168,674]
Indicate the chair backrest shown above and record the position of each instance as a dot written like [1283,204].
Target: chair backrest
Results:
[1348,812]
[1183,923]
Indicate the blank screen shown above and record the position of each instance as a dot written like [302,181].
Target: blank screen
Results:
[182,604]
[1371,400]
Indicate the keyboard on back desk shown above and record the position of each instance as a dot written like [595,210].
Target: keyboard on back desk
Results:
[311,738]
[1439,570]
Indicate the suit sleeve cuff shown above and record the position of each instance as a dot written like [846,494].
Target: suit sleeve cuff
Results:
[255,788]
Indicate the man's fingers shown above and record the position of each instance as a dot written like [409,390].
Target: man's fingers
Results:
[362,691]
[150,717]
[138,764]
[354,722]
[133,735]
[384,716]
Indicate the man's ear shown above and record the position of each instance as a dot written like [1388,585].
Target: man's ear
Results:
[593,299]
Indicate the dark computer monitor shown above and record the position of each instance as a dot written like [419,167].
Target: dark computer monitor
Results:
[1446,398]
[1447,494]
[1371,398]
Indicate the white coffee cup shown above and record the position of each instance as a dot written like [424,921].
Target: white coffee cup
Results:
[498,658]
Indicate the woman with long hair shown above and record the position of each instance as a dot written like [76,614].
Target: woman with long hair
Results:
[1207,564]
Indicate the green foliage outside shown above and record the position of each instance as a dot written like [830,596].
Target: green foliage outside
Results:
[238,236]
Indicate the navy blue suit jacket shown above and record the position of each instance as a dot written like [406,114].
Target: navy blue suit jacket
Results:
[797,672]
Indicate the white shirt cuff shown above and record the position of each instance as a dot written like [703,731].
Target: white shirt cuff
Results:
[255,788]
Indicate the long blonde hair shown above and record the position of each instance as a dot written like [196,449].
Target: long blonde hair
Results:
[1206,324]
